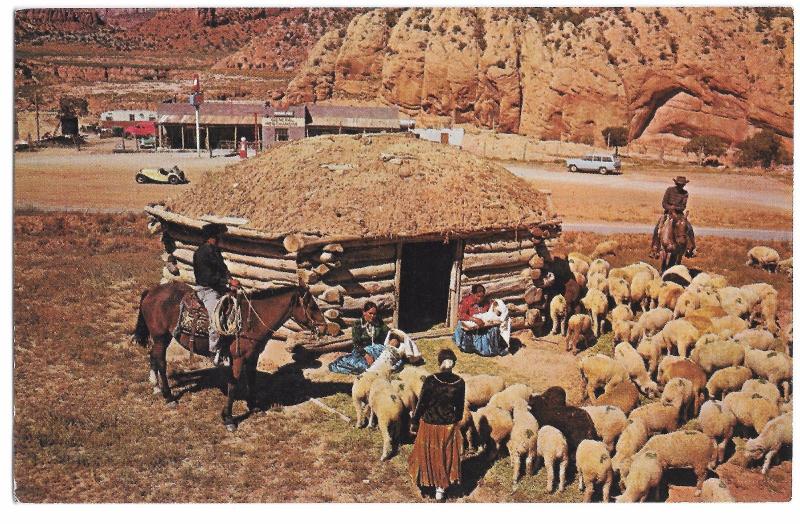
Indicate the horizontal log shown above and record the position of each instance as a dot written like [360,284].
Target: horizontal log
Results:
[281,334]
[272,249]
[374,254]
[536,262]
[280,264]
[468,279]
[517,308]
[347,274]
[243,270]
[518,323]
[332,329]
[333,248]
[498,246]
[307,277]
[506,286]
[187,274]
[296,241]
[496,260]
[349,319]
[384,302]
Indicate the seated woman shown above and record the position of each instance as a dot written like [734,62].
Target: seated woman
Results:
[476,331]
[368,334]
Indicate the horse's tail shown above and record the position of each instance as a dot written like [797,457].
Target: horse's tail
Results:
[141,334]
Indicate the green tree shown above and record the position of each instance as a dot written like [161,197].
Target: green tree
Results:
[706,145]
[73,106]
[764,148]
[615,137]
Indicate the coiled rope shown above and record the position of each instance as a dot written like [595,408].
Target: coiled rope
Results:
[230,324]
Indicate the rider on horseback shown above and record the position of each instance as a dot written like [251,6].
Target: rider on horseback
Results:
[674,204]
[213,279]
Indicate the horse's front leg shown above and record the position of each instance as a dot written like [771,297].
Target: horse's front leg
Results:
[250,372]
[233,382]
[664,259]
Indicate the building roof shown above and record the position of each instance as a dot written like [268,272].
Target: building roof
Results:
[354,117]
[391,185]
[213,112]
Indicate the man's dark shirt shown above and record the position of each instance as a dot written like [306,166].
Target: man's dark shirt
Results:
[675,198]
[209,267]
[441,400]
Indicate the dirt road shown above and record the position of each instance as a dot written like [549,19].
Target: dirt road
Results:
[618,227]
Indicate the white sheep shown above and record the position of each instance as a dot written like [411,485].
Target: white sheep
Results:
[577,265]
[494,427]
[593,465]
[360,393]
[715,490]
[644,476]
[653,290]
[631,440]
[678,274]
[709,280]
[597,281]
[765,313]
[623,331]
[679,334]
[708,298]
[763,388]
[388,408]
[600,370]
[619,290]
[621,312]
[656,417]
[605,248]
[763,257]
[609,422]
[558,315]
[732,301]
[599,265]
[718,355]
[639,285]
[522,441]
[729,323]
[651,322]
[728,379]
[597,304]
[684,449]
[634,364]
[687,302]
[718,422]
[579,328]
[479,389]
[512,394]
[756,339]
[414,376]
[680,392]
[751,410]
[773,366]
[650,352]
[776,434]
[668,295]
[551,445]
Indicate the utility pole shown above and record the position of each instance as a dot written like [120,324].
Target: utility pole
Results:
[36,105]
[196,98]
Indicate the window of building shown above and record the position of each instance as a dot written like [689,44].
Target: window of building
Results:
[132,117]
[281,134]
[109,118]
[152,119]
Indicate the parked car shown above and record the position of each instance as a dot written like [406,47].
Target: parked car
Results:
[147,142]
[602,163]
[141,129]
[159,174]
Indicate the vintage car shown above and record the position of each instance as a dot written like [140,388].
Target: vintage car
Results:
[159,174]
[602,163]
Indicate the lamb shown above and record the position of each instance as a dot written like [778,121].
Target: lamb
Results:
[751,410]
[688,370]
[756,339]
[763,388]
[579,328]
[656,417]
[630,441]
[620,290]
[687,302]
[605,248]
[715,490]
[776,434]
[620,313]
[680,392]
[550,409]
[775,367]
[624,396]
[479,389]
[522,441]
[573,291]
[679,334]
[623,331]
[551,445]
[599,265]
[593,465]
[668,295]
[387,407]
[684,449]
[494,427]
[597,304]
[653,290]
[360,393]
[511,395]
[652,353]
[763,257]
[651,322]
[630,358]
[717,422]
[600,370]
[639,285]
[718,355]
[728,379]
[598,281]
[732,301]
[558,315]
[609,421]
[644,476]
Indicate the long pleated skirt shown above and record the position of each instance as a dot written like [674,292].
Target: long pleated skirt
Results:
[435,460]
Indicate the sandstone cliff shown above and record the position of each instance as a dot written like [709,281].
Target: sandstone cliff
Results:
[667,73]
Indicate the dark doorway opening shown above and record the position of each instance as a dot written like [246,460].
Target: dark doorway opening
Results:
[424,285]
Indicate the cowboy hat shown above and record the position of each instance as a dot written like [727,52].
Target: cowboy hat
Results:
[681,180]
[213,230]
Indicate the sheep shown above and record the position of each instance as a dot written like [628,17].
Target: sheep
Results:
[620,290]
[729,323]
[600,370]
[715,490]
[685,369]
[653,290]
[577,265]
[639,284]
[709,280]
[649,351]
[522,440]
[479,389]
[414,376]
[387,407]
[763,257]
[651,322]
[684,449]
[576,255]
[621,312]
[732,301]
[718,422]
[597,281]
[551,445]
[625,396]
[687,302]
[680,392]
[550,409]
[644,475]
[605,248]
[765,313]
[763,388]
[718,355]
[593,465]
[633,437]
[760,290]
[776,434]
[360,393]
[630,270]
[773,366]
[728,379]
[467,428]
[599,266]
[609,422]
[663,374]
[751,410]
[656,417]
[678,274]
[785,266]
[679,334]
[708,298]
[597,304]
[579,328]
[623,331]
[668,295]
[558,315]
[630,358]
[756,339]
[511,395]
[580,279]
[494,428]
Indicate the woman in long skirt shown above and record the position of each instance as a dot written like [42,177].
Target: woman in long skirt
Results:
[435,461]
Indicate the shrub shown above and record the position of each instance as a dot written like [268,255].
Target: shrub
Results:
[615,136]
[764,148]
[705,145]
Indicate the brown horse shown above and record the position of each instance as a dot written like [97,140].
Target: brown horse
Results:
[675,241]
[262,313]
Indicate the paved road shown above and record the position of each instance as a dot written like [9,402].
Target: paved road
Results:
[750,234]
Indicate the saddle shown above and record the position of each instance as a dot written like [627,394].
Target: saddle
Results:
[192,318]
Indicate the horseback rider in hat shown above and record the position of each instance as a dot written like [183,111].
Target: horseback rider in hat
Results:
[212,278]
[674,204]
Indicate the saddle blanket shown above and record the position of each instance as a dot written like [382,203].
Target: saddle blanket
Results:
[192,317]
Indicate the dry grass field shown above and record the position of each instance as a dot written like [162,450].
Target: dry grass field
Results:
[87,428]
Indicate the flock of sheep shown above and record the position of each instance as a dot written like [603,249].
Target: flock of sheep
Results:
[692,345]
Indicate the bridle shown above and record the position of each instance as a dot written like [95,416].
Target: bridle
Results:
[309,322]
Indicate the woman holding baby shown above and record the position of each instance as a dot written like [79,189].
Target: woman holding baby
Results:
[479,324]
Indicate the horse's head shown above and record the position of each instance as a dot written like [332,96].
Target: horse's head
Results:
[306,312]
[680,226]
